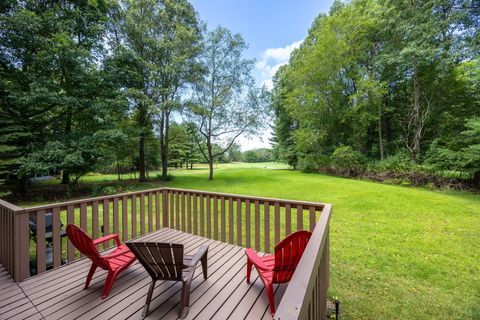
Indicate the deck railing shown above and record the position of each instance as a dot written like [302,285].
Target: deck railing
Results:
[237,219]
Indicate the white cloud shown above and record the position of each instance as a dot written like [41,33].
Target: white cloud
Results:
[272,59]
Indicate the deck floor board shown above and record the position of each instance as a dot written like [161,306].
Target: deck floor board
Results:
[59,293]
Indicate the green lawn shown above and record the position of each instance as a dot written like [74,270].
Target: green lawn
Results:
[396,252]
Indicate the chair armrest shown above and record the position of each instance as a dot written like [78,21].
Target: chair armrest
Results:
[199,254]
[109,237]
[255,259]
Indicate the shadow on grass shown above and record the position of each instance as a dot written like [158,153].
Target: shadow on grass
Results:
[476,306]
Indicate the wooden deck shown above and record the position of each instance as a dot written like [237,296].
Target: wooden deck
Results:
[59,294]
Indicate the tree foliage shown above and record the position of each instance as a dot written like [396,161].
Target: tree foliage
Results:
[225,101]
[378,78]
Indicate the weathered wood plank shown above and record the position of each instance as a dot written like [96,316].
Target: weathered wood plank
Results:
[266,226]
[70,247]
[150,212]
[142,214]
[257,225]
[239,222]
[133,213]
[41,247]
[124,235]
[95,219]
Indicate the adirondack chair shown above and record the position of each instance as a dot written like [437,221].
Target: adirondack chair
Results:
[166,261]
[278,267]
[115,262]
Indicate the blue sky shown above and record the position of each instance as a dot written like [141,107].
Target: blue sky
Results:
[271,28]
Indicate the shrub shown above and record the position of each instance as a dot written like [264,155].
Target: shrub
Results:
[313,163]
[348,161]
[400,162]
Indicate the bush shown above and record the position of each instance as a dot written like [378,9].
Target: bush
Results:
[348,161]
[400,162]
[313,163]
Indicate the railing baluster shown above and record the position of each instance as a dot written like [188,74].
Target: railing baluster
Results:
[115,216]
[202,216]
[239,221]
[266,225]
[124,218]
[83,216]
[70,220]
[142,214]
[177,210]
[41,248]
[182,199]
[299,217]
[106,221]
[150,212]
[223,220]
[288,219]
[215,217]
[95,219]
[195,214]
[157,210]
[257,225]
[247,223]
[133,205]
[56,241]
[277,222]
[209,217]
[189,213]
[230,220]
[165,208]
[312,218]
[172,210]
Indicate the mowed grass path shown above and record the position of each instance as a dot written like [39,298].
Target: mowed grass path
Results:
[396,252]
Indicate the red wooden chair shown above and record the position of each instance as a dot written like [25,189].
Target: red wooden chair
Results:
[115,262]
[278,267]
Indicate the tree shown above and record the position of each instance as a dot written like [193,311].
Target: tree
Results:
[156,42]
[225,103]
[235,153]
[258,155]
[49,71]
[370,75]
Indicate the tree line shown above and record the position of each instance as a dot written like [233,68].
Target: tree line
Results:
[90,84]
[384,86]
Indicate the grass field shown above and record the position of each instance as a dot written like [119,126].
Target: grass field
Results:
[396,252]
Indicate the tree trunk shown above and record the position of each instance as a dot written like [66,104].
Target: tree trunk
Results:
[141,159]
[68,130]
[476,179]
[380,138]
[164,136]
[210,173]
[118,170]
[416,117]
[210,160]
[65,177]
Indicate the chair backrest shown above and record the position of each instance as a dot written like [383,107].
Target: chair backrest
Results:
[163,261]
[287,255]
[84,244]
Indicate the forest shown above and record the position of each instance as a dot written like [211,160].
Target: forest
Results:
[379,89]
[387,90]
[119,86]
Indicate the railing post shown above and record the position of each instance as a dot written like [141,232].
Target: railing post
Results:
[21,246]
